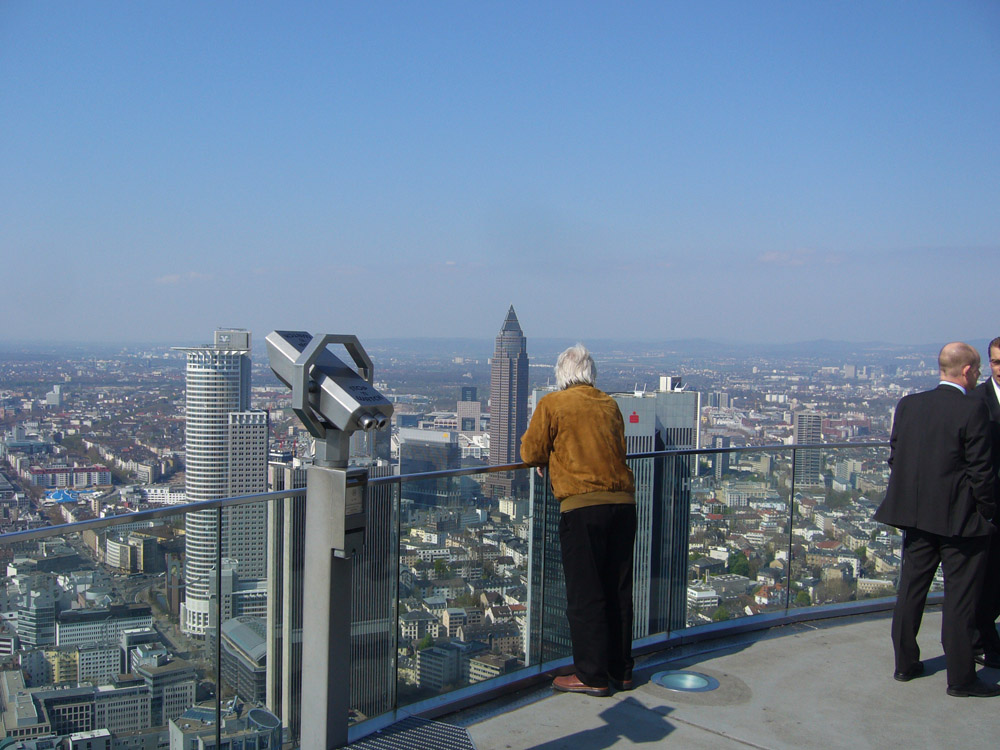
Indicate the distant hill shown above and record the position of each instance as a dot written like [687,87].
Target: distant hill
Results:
[603,348]
[538,348]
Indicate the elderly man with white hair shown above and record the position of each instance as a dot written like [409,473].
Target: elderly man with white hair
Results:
[578,432]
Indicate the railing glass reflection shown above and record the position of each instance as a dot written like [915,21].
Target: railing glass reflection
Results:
[738,536]
[781,529]
[94,642]
[839,554]
[463,584]
[767,531]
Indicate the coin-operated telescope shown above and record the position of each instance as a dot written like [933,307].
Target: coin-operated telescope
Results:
[333,400]
[330,398]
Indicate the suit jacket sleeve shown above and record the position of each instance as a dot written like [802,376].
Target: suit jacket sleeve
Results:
[986,393]
[979,471]
[894,435]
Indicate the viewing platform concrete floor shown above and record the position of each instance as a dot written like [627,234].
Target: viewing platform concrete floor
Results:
[820,684]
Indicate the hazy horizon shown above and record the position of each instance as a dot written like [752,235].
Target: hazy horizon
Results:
[486,342]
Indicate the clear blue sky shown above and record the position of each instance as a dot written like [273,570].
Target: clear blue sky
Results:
[763,171]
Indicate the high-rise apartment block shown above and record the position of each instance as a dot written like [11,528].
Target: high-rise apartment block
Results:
[36,621]
[808,463]
[225,455]
[508,405]
[55,396]
[469,410]
[718,399]
[720,461]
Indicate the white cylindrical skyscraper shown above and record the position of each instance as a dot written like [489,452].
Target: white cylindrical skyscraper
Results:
[218,386]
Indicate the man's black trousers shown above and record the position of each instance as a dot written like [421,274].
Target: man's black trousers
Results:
[963,562]
[988,641]
[597,550]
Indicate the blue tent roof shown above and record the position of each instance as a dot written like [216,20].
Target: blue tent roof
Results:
[63,496]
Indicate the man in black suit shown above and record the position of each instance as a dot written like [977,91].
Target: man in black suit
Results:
[940,494]
[987,646]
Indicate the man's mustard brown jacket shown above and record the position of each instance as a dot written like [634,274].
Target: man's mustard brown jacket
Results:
[579,433]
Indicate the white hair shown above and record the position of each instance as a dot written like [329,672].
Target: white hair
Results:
[575,365]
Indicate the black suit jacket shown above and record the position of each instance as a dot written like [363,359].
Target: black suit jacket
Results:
[940,454]
[987,393]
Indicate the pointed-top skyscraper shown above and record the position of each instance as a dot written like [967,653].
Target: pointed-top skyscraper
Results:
[508,404]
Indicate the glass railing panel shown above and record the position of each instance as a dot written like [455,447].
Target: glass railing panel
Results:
[737,535]
[474,552]
[463,581]
[548,635]
[664,487]
[374,606]
[241,600]
[92,631]
[252,647]
[840,554]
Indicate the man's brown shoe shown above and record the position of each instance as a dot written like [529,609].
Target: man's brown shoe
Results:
[570,683]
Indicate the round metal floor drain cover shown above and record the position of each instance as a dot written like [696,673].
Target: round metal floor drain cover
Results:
[685,682]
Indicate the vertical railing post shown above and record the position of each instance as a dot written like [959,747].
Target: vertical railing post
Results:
[396,609]
[218,627]
[542,485]
[791,529]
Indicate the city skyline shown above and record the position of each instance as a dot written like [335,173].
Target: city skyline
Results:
[452,587]
[765,172]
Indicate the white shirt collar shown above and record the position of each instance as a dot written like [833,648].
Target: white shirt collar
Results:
[996,388]
[953,385]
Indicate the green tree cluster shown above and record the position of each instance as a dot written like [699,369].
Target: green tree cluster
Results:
[739,564]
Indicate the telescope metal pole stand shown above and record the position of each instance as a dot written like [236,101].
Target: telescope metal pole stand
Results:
[326,632]
[332,400]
